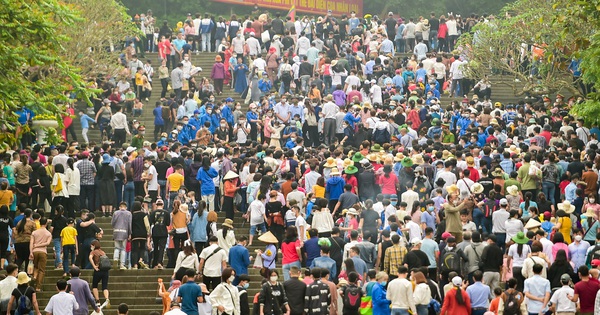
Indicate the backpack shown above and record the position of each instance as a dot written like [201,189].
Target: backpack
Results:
[595,253]
[285,166]
[381,136]
[286,76]
[338,68]
[352,297]
[105,263]
[451,261]
[511,305]
[24,306]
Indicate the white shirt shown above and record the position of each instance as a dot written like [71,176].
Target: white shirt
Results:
[74,178]
[456,69]
[62,303]
[513,226]
[300,222]
[409,196]
[119,121]
[6,287]
[257,212]
[561,300]
[400,293]
[518,260]
[189,261]
[260,64]
[414,230]
[329,110]
[212,267]
[153,183]
[352,80]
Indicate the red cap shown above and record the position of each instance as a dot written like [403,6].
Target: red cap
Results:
[446,235]
[595,262]
[85,154]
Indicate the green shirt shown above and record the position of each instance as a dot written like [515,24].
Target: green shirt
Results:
[527,182]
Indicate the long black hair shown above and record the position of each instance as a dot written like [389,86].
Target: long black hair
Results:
[27,214]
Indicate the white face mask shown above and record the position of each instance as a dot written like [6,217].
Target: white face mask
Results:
[592,200]
[273,278]
[578,238]
[231,278]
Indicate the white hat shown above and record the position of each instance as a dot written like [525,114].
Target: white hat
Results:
[457,281]
[231,175]
[503,202]
[415,241]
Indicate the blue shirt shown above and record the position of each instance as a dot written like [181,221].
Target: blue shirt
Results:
[479,294]
[239,259]
[178,43]
[85,121]
[570,190]
[360,265]
[158,119]
[327,263]
[429,220]
[537,286]
[189,293]
[429,247]
[313,250]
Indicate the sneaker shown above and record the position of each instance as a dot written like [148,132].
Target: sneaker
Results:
[107,302]
[134,267]
[122,267]
[143,265]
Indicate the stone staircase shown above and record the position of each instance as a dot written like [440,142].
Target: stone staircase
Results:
[138,288]
[502,91]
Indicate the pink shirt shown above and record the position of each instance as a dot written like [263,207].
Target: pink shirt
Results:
[388,184]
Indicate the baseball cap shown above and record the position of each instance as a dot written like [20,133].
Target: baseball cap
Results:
[457,281]
[159,201]
[565,277]
[503,202]
[415,241]
[446,235]
[595,262]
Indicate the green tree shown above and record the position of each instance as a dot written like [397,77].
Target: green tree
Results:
[35,72]
[97,38]
[523,43]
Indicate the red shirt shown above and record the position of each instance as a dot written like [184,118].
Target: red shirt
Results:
[451,306]
[164,49]
[288,250]
[474,175]
[587,294]
[388,184]
[546,134]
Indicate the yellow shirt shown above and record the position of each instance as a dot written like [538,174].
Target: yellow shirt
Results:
[319,191]
[175,181]
[138,79]
[37,224]
[68,235]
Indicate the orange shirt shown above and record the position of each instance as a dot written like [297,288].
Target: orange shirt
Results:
[494,305]
[230,187]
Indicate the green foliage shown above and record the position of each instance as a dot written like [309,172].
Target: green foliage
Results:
[34,71]
[500,46]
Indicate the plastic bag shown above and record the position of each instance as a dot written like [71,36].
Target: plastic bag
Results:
[258,262]
[30,267]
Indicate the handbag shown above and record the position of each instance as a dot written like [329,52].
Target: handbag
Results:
[366,305]
[265,36]
[59,185]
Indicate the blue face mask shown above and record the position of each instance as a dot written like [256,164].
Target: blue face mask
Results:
[394,203]
[163,139]
[430,209]
[246,285]
[383,283]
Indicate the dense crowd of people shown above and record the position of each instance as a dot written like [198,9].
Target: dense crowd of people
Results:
[368,193]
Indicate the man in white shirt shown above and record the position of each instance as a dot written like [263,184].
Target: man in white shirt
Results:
[413,229]
[213,260]
[351,80]
[499,218]
[420,50]
[302,45]
[260,63]
[61,303]
[253,45]
[560,302]
[118,122]
[409,196]
[329,111]
[457,75]
[400,293]
[447,175]
[8,284]
[257,216]
[175,309]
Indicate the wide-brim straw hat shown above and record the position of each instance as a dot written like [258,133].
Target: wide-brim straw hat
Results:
[566,206]
[512,190]
[330,163]
[477,188]
[228,223]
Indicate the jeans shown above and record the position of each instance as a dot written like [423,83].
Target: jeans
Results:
[172,197]
[328,81]
[260,226]
[129,194]
[304,82]
[119,190]
[400,43]
[205,42]
[433,39]
[422,309]
[501,240]
[68,257]
[329,129]
[57,251]
[549,190]
[120,253]
[287,267]
[487,225]
[478,218]
[163,186]
[400,311]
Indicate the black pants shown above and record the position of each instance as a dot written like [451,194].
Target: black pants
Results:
[138,250]
[311,136]
[158,129]
[87,197]
[22,251]
[119,137]
[139,188]
[159,250]
[533,193]
[218,86]
[71,129]
[199,246]
[228,207]
[72,206]
[164,83]
[23,197]
[58,200]
[178,239]
[211,282]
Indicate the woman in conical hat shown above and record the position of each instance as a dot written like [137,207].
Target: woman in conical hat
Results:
[269,255]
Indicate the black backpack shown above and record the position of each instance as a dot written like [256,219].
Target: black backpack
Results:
[595,253]
[511,305]
[105,263]
[451,261]
[352,297]
[381,136]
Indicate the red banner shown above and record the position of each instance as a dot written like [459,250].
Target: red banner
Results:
[316,7]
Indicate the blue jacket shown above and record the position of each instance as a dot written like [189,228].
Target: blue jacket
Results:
[227,114]
[351,119]
[327,263]
[207,186]
[198,227]
[335,187]
[381,305]
[204,118]
[185,135]
[239,259]
[158,120]
[206,28]
[215,120]
[265,85]
[196,122]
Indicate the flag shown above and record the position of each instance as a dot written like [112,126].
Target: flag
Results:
[292,13]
